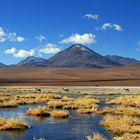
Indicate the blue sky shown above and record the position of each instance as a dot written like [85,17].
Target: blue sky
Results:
[44,27]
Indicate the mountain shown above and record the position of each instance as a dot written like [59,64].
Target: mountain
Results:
[122,60]
[79,55]
[75,56]
[32,61]
[2,65]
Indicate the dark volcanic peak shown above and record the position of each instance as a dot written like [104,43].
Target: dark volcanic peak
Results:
[79,55]
[75,56]
[79,47]
[122,60]
[32,61]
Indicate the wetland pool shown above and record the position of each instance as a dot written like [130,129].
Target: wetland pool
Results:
[76,127]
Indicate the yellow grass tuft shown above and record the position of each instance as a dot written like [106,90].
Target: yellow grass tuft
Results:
[95,136]
[133,100]
[128,136]
[38,111]
[56,104]
[130,111]
[12,124]
[10,103]
[86,110]
[60,114]
[120,125]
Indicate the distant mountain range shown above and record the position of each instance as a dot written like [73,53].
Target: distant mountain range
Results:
[77,56]
[33,61]
[122,60]
[2,65]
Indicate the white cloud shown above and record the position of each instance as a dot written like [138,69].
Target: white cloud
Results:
[107,26]
[11,51]
[46,49]
[91,16]
[49,49]
[3,35]
[14,38]
[40,38]
[6,36]
[24,53]
[82,39]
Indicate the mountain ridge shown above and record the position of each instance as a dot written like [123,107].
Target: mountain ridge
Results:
[76,56]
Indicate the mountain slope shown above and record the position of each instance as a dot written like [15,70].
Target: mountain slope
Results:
[122,60]
[33,61]
[2,65]
[80,56]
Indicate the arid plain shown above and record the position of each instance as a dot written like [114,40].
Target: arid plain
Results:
[122,76]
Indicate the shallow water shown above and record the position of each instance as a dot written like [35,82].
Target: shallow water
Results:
[76,127]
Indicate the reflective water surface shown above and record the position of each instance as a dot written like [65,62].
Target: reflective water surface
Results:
[76,127]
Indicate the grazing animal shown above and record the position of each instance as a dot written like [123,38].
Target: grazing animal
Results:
[66,90]
[38,90]
[126,89]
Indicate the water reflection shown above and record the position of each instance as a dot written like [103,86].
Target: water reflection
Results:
[76,127]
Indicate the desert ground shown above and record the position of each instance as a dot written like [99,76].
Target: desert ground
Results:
[123,76]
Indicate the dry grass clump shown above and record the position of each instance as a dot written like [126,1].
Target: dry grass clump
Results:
[38,111]
[120,125]
[71,105]
[86,110]
[65,98]
[128,136]
[2,121]
[130,111]
[12,124]
[60,114]
[95,136]
[34,98]
[85,105]
[133,100]
[9,103]
[56,104]
[4,94]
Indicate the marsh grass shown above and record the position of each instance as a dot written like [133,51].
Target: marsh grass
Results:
[59,114]
[38,111]
[120,125]
[95,136]
[121,110]
[131,100]
[9,103]
[56,104]
[87,110]
[128,136]
[35,98]
[12,124]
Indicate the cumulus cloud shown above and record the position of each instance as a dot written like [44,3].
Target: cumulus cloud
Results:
[11,51]
[49,49]
[113,26]
[46,49]
[20,53]
[3,35]
[40,38]
[24,53]
[91,16]
[87,38]
[7,36]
